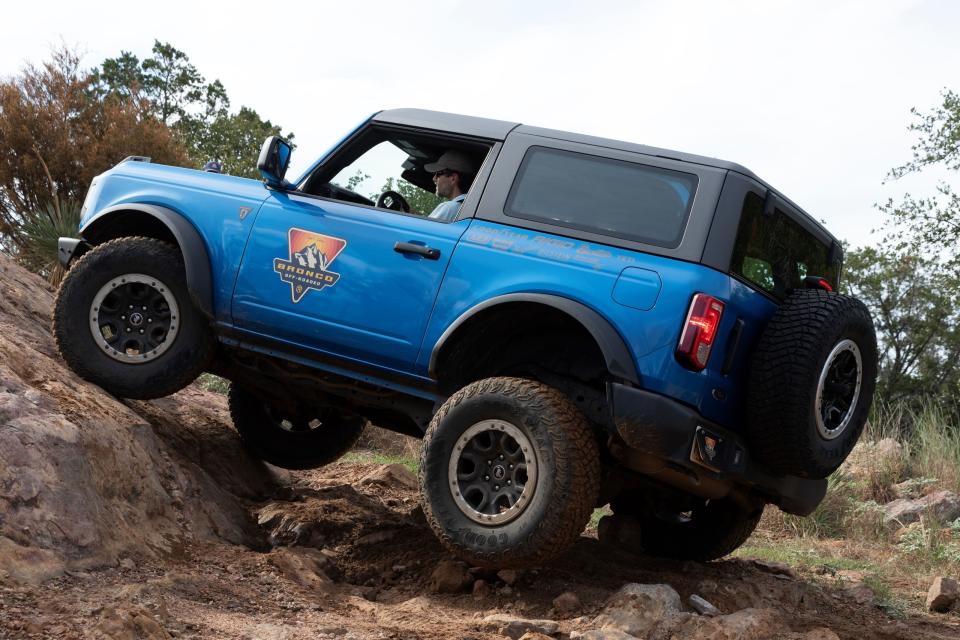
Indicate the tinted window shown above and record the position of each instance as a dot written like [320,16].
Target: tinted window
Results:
[601,195]
[776,253]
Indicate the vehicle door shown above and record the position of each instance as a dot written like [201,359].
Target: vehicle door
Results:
[327,270]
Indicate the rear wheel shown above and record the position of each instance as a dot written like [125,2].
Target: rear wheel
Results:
[300,438]
[509,473]
[706,530]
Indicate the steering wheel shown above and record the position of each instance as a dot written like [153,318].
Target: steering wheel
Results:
[394,201]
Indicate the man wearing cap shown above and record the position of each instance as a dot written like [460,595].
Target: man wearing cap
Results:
[452,175]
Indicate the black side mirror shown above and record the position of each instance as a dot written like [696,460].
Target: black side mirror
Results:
[273,161]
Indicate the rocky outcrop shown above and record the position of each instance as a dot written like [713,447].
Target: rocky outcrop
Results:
[943,506]
[86,478]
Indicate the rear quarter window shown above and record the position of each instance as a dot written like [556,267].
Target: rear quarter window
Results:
[602,195]
[776,253]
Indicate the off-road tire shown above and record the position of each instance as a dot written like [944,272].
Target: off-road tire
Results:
[566,488]
[711,530]
[192,347]
[784,375]
[264,436]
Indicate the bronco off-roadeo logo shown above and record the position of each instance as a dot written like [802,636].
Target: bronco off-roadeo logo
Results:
[308,262]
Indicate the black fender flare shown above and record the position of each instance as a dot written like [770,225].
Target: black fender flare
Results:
[196,258]
[615,352]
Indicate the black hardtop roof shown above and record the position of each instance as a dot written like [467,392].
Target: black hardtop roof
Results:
[499,129]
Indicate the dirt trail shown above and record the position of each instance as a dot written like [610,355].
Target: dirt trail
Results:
[380,559]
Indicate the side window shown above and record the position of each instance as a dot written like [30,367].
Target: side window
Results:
[401,172]
[775,252]
[602,195]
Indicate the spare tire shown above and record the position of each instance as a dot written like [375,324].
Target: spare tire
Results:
[811,383]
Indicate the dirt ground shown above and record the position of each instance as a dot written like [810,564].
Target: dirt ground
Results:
[379,555]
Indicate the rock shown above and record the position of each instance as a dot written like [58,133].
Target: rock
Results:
[747,624]
[392,475]
[86,477]
[505,590]
[305,566]
[481,589]
[606,634]
[450,576]
[638,609]
[868,458]
[942,595]
[128,564]
[776,568]
[508,576]
[128,621]
[533,635]
[703,607]
[942,505]
[860,593]
[567,604]
[620,531]
[515,627]
[821,633]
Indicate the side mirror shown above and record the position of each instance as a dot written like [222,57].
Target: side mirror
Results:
[273,161]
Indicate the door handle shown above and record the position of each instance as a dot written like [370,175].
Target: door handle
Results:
[418,249]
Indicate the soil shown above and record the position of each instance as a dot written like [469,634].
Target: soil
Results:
[375,582]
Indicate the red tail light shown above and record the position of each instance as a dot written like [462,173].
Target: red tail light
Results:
[699,331]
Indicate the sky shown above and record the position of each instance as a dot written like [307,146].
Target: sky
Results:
[813,96]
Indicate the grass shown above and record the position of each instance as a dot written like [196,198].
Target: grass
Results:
[374,457]
[213,383]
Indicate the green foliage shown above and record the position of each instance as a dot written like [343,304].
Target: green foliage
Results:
[177,94]
[913,303]
[931,225]
[216,384]
[39,234]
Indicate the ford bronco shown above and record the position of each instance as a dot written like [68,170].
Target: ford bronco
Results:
[598,323]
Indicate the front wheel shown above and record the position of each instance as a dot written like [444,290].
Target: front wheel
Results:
[123,319]
[301,438]
[509,473]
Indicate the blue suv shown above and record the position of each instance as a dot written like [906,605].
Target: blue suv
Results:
[583,322]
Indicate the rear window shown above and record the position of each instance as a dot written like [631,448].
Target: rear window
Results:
[776,253]
[602,195]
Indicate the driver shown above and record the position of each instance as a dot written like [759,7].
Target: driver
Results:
[452,174]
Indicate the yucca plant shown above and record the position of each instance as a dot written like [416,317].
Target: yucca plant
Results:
[39,234]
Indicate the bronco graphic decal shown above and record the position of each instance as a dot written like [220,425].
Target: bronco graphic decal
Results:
[308,262]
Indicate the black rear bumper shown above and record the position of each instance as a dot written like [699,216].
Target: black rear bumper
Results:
[701,453]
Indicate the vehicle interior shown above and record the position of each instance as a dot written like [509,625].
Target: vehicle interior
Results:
[383,167]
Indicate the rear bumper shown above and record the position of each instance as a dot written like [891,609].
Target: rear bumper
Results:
[698,455]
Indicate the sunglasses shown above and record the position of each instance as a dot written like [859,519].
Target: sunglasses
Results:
[443,172]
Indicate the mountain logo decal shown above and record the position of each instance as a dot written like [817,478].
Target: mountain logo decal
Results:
[307,265]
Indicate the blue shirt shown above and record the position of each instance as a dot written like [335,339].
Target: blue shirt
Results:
[447,211]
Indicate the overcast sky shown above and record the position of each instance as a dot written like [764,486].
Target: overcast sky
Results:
[813,96]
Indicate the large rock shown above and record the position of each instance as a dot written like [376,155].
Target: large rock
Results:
[870,458]
[943,505]
[516,627]
[747,624]
[637,609]
[85,478]
[943,594]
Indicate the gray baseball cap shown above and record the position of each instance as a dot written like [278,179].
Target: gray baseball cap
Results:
[453,160]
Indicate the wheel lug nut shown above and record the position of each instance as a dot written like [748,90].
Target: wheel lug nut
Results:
[123,317]
[510,466]
[496,487]
[141,330]
[501,456]
[131,306]
[486,477]
[489,462]
[128,329]
[508,482]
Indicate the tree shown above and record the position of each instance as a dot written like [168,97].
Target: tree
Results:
[55,136]
[199,112]
[912,301]
[931,225]
[420,201]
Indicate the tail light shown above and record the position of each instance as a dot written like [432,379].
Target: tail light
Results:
[699,331]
